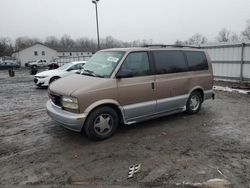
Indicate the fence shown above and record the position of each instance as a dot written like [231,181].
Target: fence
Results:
[63,60]
[231,62]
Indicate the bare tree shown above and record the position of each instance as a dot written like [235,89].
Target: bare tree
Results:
[246,32]
[197,39]
[224,35]
[6,48]
[234,37]
[67,42]
[86,43]
[52,42]
[24,42]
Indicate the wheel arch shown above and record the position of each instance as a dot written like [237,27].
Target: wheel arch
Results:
[199,89]
[55,76]
[107,102]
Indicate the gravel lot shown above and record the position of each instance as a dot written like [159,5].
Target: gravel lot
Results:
[34,150]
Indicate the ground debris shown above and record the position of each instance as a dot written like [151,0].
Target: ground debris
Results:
[133,170]
[212,183]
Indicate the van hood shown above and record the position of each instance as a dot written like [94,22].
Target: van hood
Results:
[68,85]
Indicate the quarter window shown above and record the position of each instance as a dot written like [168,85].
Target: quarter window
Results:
[137,63]
[196,61]
[169,62]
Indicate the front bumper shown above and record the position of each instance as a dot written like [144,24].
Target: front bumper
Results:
[69,120]
[41,81]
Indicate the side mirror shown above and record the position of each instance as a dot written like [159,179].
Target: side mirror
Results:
[125,73]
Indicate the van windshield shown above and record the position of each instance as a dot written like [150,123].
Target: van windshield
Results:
[102,64]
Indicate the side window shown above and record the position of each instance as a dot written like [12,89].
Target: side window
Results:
[137,63]
[196,61]
[169,62]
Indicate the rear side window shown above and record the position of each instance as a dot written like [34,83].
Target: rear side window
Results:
[169,62]
[196,61]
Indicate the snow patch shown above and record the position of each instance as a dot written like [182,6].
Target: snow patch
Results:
[228,89]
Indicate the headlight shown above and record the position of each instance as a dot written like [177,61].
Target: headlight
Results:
[41,77]
[69,102]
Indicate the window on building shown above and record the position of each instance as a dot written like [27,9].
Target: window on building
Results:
[43,52]
[63,54]
[169,62]
[35,53]
[70,54]
[137,63]
[196,61]
[81,53]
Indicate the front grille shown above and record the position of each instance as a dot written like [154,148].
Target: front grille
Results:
[56,99]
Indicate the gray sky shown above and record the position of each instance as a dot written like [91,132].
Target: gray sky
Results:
[163,21]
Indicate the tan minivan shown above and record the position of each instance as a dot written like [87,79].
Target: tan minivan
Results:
[129,85]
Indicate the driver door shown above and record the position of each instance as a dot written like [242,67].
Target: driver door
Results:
[136,92]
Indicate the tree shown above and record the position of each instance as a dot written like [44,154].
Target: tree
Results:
[224,35]
[67,42]
[24,42]
[197,39]
[246,32]
[52,42]
[6,48]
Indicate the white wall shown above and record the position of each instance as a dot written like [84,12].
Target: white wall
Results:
[28,54]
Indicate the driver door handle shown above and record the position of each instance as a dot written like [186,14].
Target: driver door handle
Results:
[153,85]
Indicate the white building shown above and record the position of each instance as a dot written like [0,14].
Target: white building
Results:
[40,51]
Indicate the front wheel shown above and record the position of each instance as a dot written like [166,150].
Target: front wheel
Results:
[101,123]
[194,103]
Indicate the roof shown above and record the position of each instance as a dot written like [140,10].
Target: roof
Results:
[153,48]
[57,49]
[71,50]
[34,45]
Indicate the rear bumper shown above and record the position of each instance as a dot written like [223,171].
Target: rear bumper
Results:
[208,94]
[68,120]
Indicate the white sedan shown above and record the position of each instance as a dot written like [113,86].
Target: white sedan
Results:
[44,78]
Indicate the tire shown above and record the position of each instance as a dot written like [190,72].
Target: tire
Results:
[53,79]
[101,123]
[194,103]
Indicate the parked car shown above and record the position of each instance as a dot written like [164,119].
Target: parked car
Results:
[45,78]
[131,85]
[39,63]
[8,64]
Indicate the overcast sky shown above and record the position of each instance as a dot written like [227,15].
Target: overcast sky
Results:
[163,21]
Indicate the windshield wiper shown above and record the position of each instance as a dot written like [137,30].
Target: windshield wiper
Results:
[90,73]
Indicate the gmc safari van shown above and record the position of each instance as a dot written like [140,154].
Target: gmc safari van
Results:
[129,85]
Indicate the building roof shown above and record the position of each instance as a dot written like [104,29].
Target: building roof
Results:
[57,49]
[71,50]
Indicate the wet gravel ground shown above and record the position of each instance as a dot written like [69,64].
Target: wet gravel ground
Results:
[34,150]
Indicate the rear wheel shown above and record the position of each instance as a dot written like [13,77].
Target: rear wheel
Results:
[194,103]
[101,123]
